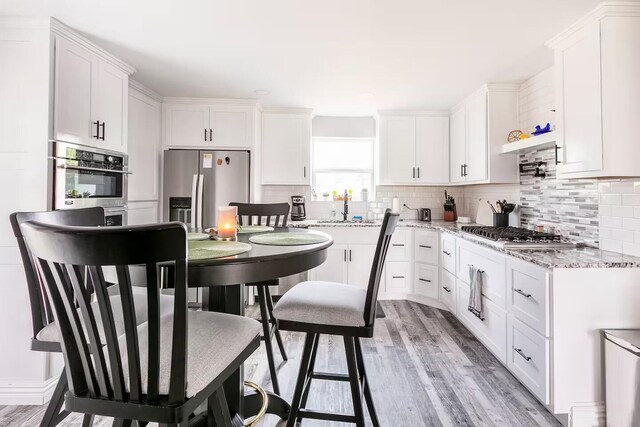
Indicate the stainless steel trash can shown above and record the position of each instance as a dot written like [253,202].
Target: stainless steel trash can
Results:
[622,371]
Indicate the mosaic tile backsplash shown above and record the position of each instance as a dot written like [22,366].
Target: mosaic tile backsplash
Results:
[568,207]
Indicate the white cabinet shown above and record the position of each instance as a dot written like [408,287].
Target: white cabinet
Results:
[335,268]
[400,245]
[490,263]
[90,98]
[448,250]
[360,259]
[598,95]
[426,247]
[448,290]
[414,149]
[144,146]
[142,213]
[426,281]
[286,147]
[529,294]
[480,125]
[397,279]
[209,123]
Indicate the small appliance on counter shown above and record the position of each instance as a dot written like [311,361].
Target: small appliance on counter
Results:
[298,209]
[424,214]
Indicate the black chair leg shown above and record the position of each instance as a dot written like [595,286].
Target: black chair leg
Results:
[302,379]
[54,413]
[354,380]
[312,362]
[87,420]
[218,410]
[283,352]
[367,390]
[119,422]
[266,331]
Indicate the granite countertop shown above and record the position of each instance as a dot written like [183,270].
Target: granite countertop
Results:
[579,257]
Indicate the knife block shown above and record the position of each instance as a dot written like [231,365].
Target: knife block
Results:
[450,213]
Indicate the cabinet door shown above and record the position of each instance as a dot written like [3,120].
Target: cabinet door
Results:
[76,74]
[580,102]
[397,155]
[143,146]
[231,126]
[334,269]
[477,142]
[426,280]
[458,145]
[426,247]
[432,150]
[286,140]
[112,107]
[397,278]
[187,126]
[360,257]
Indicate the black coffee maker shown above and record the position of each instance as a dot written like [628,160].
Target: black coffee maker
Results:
[298,209]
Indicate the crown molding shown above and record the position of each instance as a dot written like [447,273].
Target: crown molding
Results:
[287,110]
[134,84]
[63,30]
[603,10]
[421,113]
[208,101]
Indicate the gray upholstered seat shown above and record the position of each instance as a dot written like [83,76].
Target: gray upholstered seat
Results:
[324,303]
[50,332]
[214,341]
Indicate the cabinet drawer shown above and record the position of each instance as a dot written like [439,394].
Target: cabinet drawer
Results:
[426,247]
[528,357]
[398,277]
[426,280]
[491,263]
[528,294]
[400,247]
[448,290]
[448,252]
[492,330]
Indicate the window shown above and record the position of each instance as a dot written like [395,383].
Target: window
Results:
[343,163]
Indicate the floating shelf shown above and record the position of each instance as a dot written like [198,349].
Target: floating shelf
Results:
[533,143]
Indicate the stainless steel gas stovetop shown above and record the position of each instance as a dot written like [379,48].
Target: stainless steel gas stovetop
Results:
[515,238]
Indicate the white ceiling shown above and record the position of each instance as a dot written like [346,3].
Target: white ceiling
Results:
[411,54]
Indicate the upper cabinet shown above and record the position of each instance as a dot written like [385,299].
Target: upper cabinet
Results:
[90,94]
[414,148]
[479,127]
[598,93]
[209,123]
[286,146]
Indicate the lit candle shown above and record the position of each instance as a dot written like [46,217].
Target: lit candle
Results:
[227,217]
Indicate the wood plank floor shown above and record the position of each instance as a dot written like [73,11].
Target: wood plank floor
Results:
[425,367]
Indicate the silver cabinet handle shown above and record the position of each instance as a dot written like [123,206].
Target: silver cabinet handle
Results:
[524,356]
[397,277]
[446,289]
[397,244]
[349,255]
[446,253]
[522,293]
[425,246]
[414,173]
[418,173]
[345,255]
[425,280]
[304,171]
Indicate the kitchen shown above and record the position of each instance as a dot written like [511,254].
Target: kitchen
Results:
[81,127]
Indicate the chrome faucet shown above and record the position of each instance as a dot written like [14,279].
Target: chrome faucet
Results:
[345,211]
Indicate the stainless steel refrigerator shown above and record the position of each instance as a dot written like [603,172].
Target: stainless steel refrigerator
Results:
[196,182]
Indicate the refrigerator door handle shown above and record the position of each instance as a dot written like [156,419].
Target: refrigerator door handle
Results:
[199,202]
[194,188]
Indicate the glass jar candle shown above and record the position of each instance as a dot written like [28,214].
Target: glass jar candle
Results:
[227,222]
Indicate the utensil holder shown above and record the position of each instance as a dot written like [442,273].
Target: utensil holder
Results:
[500,219]
[450,213]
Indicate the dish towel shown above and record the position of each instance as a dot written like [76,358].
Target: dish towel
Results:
[475,297]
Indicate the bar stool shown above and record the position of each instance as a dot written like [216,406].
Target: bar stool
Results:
[274,215]
[317,308]
[158,371]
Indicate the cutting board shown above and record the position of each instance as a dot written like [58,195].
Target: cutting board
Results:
[484,214]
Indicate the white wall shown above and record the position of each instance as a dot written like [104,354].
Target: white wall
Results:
[24,126]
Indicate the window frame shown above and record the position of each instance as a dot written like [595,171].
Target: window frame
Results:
[371,171]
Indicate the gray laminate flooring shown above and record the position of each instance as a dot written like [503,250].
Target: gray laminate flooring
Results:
[425,368]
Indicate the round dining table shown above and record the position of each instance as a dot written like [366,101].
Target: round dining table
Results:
[222,281]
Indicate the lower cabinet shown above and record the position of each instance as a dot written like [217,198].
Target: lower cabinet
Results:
[360,259]
[426,281]
[492,331]
[447,290]
[335,268]
[397,278]
[528,358]
[142,213]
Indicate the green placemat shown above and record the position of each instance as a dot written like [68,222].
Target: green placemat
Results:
[210,249]
[246,229]
[288,239]
[197,236]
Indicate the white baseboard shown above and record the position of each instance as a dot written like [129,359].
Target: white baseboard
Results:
[27,393]
[588,414]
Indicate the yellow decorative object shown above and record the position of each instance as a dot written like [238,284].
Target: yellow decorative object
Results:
[524,136]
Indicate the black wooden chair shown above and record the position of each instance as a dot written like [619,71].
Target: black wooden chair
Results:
[159,371]
[275,215]
[335,309]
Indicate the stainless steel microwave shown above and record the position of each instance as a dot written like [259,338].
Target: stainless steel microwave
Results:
[88,176]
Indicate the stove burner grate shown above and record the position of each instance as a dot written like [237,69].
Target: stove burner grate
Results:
[512,234]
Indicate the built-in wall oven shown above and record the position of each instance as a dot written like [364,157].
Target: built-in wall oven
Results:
[88,176]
